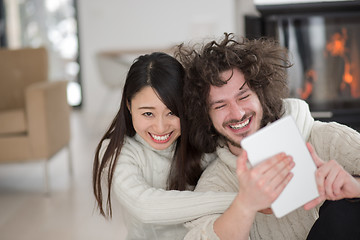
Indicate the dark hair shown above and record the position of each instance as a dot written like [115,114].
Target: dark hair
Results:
[263,63]
[165,75]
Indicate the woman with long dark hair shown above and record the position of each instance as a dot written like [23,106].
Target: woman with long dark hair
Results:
[141,156]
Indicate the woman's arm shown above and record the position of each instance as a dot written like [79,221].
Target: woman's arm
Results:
[155,205]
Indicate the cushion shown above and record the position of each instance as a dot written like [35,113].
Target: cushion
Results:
[12,122]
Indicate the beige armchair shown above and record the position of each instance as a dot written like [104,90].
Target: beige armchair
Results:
[34,113]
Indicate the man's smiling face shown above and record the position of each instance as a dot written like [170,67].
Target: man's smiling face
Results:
[234,109]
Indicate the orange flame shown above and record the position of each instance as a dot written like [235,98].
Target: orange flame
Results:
[311,77]
[348,78]
[337,47]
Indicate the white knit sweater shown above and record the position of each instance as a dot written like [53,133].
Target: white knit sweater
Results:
[149,211]
[330,140]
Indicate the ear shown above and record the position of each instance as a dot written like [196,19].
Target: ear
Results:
[128,106]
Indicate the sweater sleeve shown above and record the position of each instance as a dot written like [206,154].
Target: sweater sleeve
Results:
[334,141]
[217,177]
[300,111]
[202,228]
[155,205]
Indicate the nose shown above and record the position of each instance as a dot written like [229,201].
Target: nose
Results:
[236,112]
[160,125]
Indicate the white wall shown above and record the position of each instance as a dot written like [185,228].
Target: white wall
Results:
[122,24]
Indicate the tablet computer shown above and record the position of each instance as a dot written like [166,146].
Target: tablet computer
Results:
[284,136]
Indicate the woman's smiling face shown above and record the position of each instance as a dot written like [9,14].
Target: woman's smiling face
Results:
[152,120]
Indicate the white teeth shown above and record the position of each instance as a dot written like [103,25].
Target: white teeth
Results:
[160,138]
[240,125]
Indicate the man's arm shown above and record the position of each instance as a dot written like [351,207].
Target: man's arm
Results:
[357,178]
[356,199]
[334,183]
[258,188]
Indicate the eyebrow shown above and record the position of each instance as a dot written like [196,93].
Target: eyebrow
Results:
[241,92]
[213,103]
[146,108]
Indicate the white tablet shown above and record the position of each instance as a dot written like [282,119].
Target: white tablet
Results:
[284,136]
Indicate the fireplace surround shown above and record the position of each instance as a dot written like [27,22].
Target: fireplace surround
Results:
[324,43]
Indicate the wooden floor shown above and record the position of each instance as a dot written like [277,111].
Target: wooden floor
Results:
[68,213]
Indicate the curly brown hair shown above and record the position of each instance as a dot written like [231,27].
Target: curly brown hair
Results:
[263,63]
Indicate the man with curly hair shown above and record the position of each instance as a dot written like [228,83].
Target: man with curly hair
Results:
[232,89]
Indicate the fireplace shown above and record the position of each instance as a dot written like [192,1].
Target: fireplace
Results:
[324,44]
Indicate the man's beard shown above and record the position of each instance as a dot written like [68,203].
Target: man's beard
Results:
[228,140]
